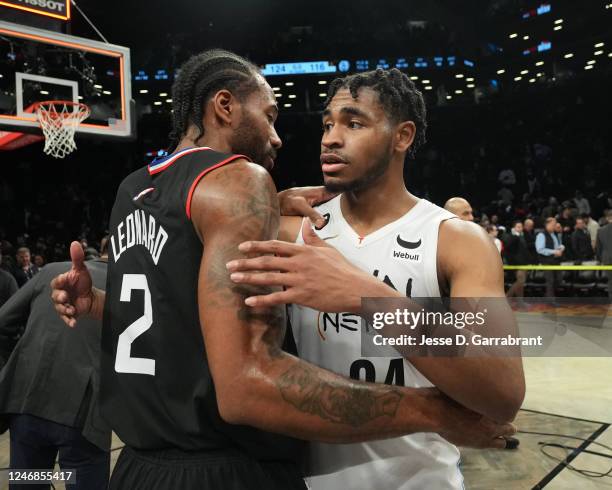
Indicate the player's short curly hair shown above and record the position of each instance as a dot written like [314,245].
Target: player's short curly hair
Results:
[398,96]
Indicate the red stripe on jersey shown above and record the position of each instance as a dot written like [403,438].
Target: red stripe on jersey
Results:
[174,158]
[199,177]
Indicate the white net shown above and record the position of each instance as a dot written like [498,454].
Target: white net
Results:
[59,120]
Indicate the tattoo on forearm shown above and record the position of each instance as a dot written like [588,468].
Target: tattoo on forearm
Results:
[351,404]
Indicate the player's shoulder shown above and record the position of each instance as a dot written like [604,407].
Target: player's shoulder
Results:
[432,210]
[464,231]
[238,189]
[464,242]
[238,176]
[134,178]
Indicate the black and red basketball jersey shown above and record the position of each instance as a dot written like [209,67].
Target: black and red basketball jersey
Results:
[157,391]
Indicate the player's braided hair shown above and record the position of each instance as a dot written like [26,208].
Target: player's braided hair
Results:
[202,76]
[398,96]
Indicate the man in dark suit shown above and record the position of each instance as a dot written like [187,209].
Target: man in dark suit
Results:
[25,269]
[530,238]
[8,285]
[604,248]
[517,253]
[49,385]
[581,242]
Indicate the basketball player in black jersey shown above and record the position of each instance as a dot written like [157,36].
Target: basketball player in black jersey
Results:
[194,381]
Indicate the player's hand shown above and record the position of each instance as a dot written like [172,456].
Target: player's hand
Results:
[463,427]
[314,275]
[299,201]
[72,292]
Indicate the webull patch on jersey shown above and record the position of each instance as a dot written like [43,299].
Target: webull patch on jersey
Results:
[405,256]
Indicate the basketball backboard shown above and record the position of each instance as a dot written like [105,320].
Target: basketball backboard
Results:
[38,65]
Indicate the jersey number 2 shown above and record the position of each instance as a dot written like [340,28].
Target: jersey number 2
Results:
[124,362]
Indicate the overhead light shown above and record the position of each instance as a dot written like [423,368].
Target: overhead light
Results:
[470,85]
[539,74]
[425,81]
[169,101]
[428,87]
[289,84]
[569,55]
[539,63]
[414,77]
[610,54]
[278,95]
[322,94]
[513,35]
[588,67]
[458,91]
[106,92]
[322,82]
[144,91]
[500,71]
[44,92]
[292,96]
[599,45]
[597,53]
[559,21]
[531,80]
[449,97]
[469,79]
[80,97]
[591,62]
[516,79]
[459,75]
[1,75]
[557,28]
[157,102]
[97,86]
[524,72]
[276,89]
[163,94]
[525,38]
[286,105]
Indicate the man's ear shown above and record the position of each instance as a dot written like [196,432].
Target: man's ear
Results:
[224,106]
[404,136]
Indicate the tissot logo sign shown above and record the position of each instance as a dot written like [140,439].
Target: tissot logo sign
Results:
[58,9]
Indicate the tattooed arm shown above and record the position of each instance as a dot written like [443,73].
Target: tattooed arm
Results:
[256,382]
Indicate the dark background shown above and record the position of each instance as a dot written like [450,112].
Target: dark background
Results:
[556,127]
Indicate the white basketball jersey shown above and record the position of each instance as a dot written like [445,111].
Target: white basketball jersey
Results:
[403,255]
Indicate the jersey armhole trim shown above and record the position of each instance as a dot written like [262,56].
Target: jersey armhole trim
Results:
[202,174]
[433,283]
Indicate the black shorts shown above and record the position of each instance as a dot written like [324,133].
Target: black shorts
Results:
[173,469]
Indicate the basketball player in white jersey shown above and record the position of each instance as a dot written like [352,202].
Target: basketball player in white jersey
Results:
[380,240]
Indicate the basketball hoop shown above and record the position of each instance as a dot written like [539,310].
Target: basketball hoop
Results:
[59,120]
